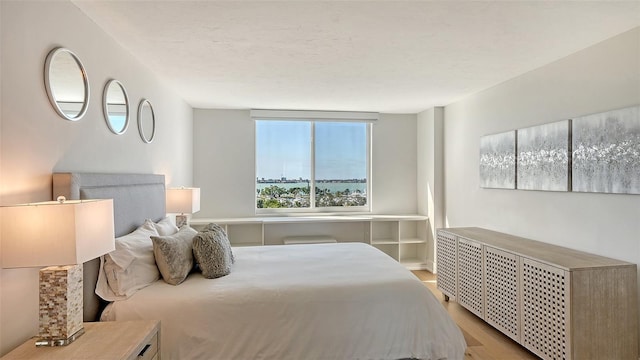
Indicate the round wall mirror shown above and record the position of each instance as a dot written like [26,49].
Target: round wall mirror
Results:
[115,104]
[66,83]
[146,121]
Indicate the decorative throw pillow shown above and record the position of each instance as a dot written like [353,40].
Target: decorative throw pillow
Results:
[165,227]
[130,267]
[223,236]
[212,252]
[174,254]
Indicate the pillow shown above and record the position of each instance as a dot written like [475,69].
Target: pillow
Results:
[174,254]
[165,227]
[212,252]
[130,267]
[218,228]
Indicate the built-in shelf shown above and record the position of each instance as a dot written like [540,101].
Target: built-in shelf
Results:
[412,241]
[247,244]
[402,237]
[411,261]
[384,242]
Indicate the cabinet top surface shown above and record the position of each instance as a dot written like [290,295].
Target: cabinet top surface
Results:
[568,259]
[307,218]
[101,340]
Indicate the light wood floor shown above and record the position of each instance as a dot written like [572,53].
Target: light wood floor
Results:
[483,341]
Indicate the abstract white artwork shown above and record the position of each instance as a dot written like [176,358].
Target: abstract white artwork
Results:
[498,161]
[606,152]
[543,157]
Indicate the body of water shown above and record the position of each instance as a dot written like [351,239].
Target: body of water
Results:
[334,187]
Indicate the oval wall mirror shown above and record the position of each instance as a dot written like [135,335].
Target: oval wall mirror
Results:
[66,83]
[115,104]
[146,121]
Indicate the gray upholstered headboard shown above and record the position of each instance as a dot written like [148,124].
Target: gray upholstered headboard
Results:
[136,197]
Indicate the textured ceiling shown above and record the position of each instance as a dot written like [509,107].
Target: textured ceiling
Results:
[368,56]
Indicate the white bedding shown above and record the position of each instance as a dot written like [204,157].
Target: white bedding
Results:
[322,301]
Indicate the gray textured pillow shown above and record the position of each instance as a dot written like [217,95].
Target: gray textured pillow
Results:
[224,237]
[212,251]
[174,254]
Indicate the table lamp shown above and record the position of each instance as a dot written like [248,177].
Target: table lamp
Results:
[61,235]
[183,200]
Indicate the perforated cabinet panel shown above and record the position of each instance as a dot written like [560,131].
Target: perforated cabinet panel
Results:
[560,303]
[470,293]
[501,291]
[545,310]
[447,268]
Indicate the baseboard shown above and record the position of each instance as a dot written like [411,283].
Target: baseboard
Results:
[432,266]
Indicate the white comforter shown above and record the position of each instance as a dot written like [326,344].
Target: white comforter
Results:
[302,302]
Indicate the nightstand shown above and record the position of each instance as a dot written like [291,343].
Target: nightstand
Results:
[113,340]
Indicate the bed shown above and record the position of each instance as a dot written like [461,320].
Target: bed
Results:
[316,301]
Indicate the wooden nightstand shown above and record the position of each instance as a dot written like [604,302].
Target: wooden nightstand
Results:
[113,340]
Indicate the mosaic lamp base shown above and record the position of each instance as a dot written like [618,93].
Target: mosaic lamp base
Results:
[181,220]
[60,305]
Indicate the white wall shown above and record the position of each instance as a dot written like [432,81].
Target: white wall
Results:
[603,77]
[2,350]
[35,141]
[430,172]
[394,164]
[224,161]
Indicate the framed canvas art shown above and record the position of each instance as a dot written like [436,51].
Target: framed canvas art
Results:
[498,160]
[543,157]
[606,152]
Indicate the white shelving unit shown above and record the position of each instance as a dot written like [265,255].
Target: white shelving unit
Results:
[385,236]
[245,234]
[402,237]
[413,242]
[243,231]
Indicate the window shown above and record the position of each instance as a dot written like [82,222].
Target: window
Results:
[312,165]
[283,164]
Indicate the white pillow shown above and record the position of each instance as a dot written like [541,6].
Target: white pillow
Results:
[165,227]
[130,267]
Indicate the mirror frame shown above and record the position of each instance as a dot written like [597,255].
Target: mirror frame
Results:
[144,102]
[47,72]
[105,108]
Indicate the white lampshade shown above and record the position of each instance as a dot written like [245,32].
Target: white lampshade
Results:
[56,233]
[183,200]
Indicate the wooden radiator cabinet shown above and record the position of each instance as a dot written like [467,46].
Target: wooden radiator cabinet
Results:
[557,302]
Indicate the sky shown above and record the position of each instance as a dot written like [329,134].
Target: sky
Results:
[117,121]
[283,148]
